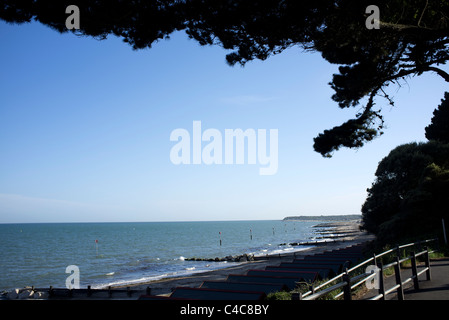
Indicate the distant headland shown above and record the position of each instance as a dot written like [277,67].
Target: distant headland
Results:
[345,217]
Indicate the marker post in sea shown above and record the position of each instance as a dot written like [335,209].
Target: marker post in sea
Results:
[220,237]
[96,246]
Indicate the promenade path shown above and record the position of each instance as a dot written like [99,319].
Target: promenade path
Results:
[435,289]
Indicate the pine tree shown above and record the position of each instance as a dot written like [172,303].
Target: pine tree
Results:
[438,130]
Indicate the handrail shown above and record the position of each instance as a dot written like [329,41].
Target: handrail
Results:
[414,277]
[326,291]
[360,264]
[321,285]
[347,281]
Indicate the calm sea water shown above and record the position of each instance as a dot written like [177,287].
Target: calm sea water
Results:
[129,253]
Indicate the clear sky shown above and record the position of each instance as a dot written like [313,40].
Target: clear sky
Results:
[85,131]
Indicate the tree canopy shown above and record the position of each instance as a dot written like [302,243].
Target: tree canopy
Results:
[439,128]
[409,196]
[412,39]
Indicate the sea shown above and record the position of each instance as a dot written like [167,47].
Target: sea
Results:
[130,253]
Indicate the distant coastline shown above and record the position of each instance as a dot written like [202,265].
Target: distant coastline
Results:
[346,217]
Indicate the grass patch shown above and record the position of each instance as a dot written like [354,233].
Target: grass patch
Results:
[303,288]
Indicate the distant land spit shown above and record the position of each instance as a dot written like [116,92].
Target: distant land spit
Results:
[346,217]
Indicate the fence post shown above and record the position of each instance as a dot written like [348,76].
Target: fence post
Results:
[381,280]
[312,288]
[347,287]
[426,257]
[444,232]
[398,251]
[415,272]
[397,273]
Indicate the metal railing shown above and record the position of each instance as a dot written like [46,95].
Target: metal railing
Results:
[348,282]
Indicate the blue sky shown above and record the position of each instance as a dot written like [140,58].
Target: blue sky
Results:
[85,131]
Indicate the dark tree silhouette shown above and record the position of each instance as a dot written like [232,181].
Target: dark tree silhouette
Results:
[439,128]
[412,39]
[408,199]
[409,196]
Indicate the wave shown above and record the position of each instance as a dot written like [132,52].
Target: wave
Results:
[180,267]
[122,282]
[141,280]
[281,250]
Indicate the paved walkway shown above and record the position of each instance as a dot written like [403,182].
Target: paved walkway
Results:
[435,289]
